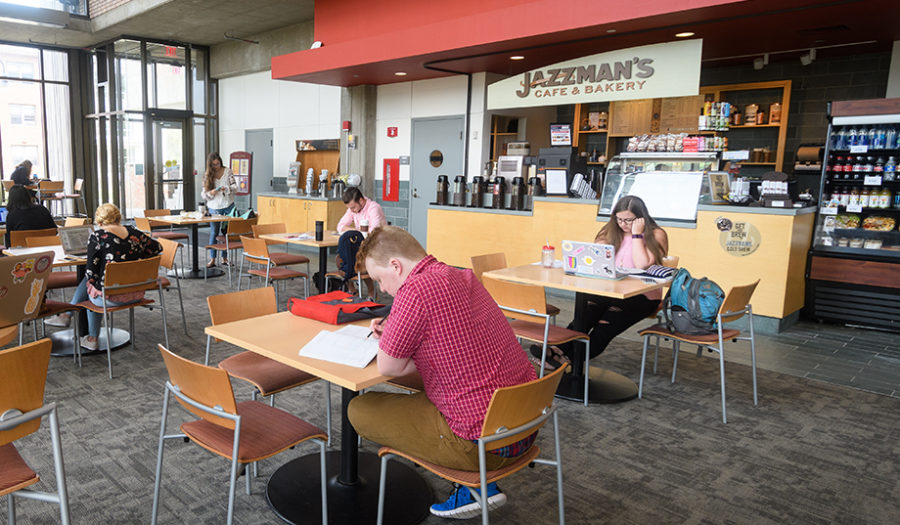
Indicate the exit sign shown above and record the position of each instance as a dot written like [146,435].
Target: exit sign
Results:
[171,51]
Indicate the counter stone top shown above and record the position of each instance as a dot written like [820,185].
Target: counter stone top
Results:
[756,209]
[295,196]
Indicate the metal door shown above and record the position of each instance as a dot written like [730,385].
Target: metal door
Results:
[259,143]
[169,147]
[437,149]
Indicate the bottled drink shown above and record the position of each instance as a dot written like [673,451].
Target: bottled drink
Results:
[870,137]
[844,197]
[853,198]
[852,137]
[858,168]
[840,139]
[897,200]
[880,137]
[847,167]
[890,137]
[864,198]
[878,169]
[884,199]
[890,168]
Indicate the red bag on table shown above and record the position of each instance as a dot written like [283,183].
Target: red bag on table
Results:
[336,307]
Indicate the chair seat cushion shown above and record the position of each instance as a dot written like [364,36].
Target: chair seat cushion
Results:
[265,431]
[277,273]
[535,332]
[51,307]
[172,236]
[286,259]
[411,381]
[57,280]
[15,474]
[267,375]
[99,309]
[659,329]
[465,477]
[164,281]
[552,310]
[222,247]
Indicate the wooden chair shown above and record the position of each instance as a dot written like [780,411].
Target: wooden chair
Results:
[497,261]
[256,251]
[48,190]
[734,306]
[18,238]
[524,304]
[243,432]
[279,258]
[167,262]
[77,195]
[231,242]
[168,230]
[515,413]
[23,375]
[125,277]
[669,261]
[143,224]
[268,376]
[76,221]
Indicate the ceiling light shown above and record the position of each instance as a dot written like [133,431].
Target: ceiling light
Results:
[517,57]
[758,63]
[684,34]
[400,73]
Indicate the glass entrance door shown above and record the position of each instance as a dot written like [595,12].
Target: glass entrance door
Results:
[169,182]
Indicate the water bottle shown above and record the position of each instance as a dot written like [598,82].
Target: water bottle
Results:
[890,138]
[871,137]
[890,168]
[840,139]
[880,137]
[852,137]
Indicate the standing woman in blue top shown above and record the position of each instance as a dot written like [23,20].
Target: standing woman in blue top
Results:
[219,188]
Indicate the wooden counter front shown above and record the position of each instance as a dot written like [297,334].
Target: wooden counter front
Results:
[299,214]
[455,235]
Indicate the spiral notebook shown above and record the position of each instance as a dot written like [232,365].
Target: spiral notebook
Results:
[349,346]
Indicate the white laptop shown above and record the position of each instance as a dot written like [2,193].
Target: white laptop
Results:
[590,259]
[75,240]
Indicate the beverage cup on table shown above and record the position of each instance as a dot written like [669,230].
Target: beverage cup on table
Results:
[364,226]
[320,230]
[547,255]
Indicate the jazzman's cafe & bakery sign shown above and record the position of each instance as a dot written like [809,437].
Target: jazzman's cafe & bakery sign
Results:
[671,69]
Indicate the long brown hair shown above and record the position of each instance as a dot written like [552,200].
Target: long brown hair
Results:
[612,233]
[209,176]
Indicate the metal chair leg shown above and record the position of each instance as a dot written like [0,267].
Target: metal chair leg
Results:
[328,410]
[59,469]
[643,363]
[181,303]
[208,341]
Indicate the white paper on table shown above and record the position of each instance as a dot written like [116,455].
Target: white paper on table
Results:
[302,237]
[348,346]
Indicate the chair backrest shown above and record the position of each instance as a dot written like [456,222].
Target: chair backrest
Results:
[23,373]
[488,262]
[43,240]
[517,405]
[520,296]
[237,306]
[79,183]
[242,226]
[736,300]
[143,224]
[157,213]
[18,238]
[7,184]
[255,247]
[206,385]
[76,221]
[51,186]
[131,276]
[670,261]
[265,229]
[170,250]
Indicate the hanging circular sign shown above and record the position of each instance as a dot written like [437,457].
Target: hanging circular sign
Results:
[738,238]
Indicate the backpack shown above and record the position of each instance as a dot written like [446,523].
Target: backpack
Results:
[691,305]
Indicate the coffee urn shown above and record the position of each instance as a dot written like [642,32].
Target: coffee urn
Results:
[337,189]
[517,194]
[478,191]
[443,188]
[459,190]
[498,201]
[534,190]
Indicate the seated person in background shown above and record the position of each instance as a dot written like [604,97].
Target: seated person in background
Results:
[639,242]
[362,214]
[24,214]
[22,174]
[446,326]
[109,242]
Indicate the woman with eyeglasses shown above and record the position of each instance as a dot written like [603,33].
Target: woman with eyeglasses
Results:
[639,242]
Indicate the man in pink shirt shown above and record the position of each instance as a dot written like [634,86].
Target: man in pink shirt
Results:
[362,215]
[446,326]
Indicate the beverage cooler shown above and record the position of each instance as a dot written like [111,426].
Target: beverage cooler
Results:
[854,265]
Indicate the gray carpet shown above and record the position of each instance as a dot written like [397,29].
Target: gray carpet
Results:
[811,452]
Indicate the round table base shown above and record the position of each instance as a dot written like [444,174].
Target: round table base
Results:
[199,274]
[294,493]
[64,347]
[605,386]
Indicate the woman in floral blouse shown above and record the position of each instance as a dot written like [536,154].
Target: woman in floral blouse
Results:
[110,242]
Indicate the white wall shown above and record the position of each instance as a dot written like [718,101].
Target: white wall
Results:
[893,86]
[294,110]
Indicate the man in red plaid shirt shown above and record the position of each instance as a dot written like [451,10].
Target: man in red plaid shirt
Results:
[446,326]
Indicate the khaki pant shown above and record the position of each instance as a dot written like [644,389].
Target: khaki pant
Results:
[412,424]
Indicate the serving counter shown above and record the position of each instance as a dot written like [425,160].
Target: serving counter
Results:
[299,213]
[731,245]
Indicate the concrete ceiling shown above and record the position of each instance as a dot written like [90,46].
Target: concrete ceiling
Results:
[203,22]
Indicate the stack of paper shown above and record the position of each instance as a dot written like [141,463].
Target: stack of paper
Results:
[348,346]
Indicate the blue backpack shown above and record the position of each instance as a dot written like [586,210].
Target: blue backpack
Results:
[691,304]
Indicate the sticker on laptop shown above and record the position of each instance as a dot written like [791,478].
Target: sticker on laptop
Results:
[3,291]
[31,305]
[21,270]
[43,263]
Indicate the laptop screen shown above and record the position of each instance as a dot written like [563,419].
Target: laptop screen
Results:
[75,238]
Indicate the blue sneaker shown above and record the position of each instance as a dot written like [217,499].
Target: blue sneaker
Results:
[461,505]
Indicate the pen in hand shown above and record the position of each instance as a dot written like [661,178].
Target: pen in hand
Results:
[380,325]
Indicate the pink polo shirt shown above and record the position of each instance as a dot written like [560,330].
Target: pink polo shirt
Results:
[371,211]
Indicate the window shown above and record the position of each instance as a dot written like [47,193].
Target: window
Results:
[20,69]
[23,114]
[20,153]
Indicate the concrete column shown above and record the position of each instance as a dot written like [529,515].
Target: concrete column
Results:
[358,106]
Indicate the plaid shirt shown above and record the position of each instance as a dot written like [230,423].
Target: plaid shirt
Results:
[461,343]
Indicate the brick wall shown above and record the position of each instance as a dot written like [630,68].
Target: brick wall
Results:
[98,7]
[396,213]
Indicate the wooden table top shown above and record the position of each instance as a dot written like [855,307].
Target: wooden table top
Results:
[182,220]
[280,337]
[557,278]
[59,256]
[329,238]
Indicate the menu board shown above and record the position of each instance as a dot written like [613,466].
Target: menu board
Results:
[631,117]
[679,114]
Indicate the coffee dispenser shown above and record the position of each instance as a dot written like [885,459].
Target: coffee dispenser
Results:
[443,187]
[499,198]
[517,194]
[459,190]
[478,191]
[534,190]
